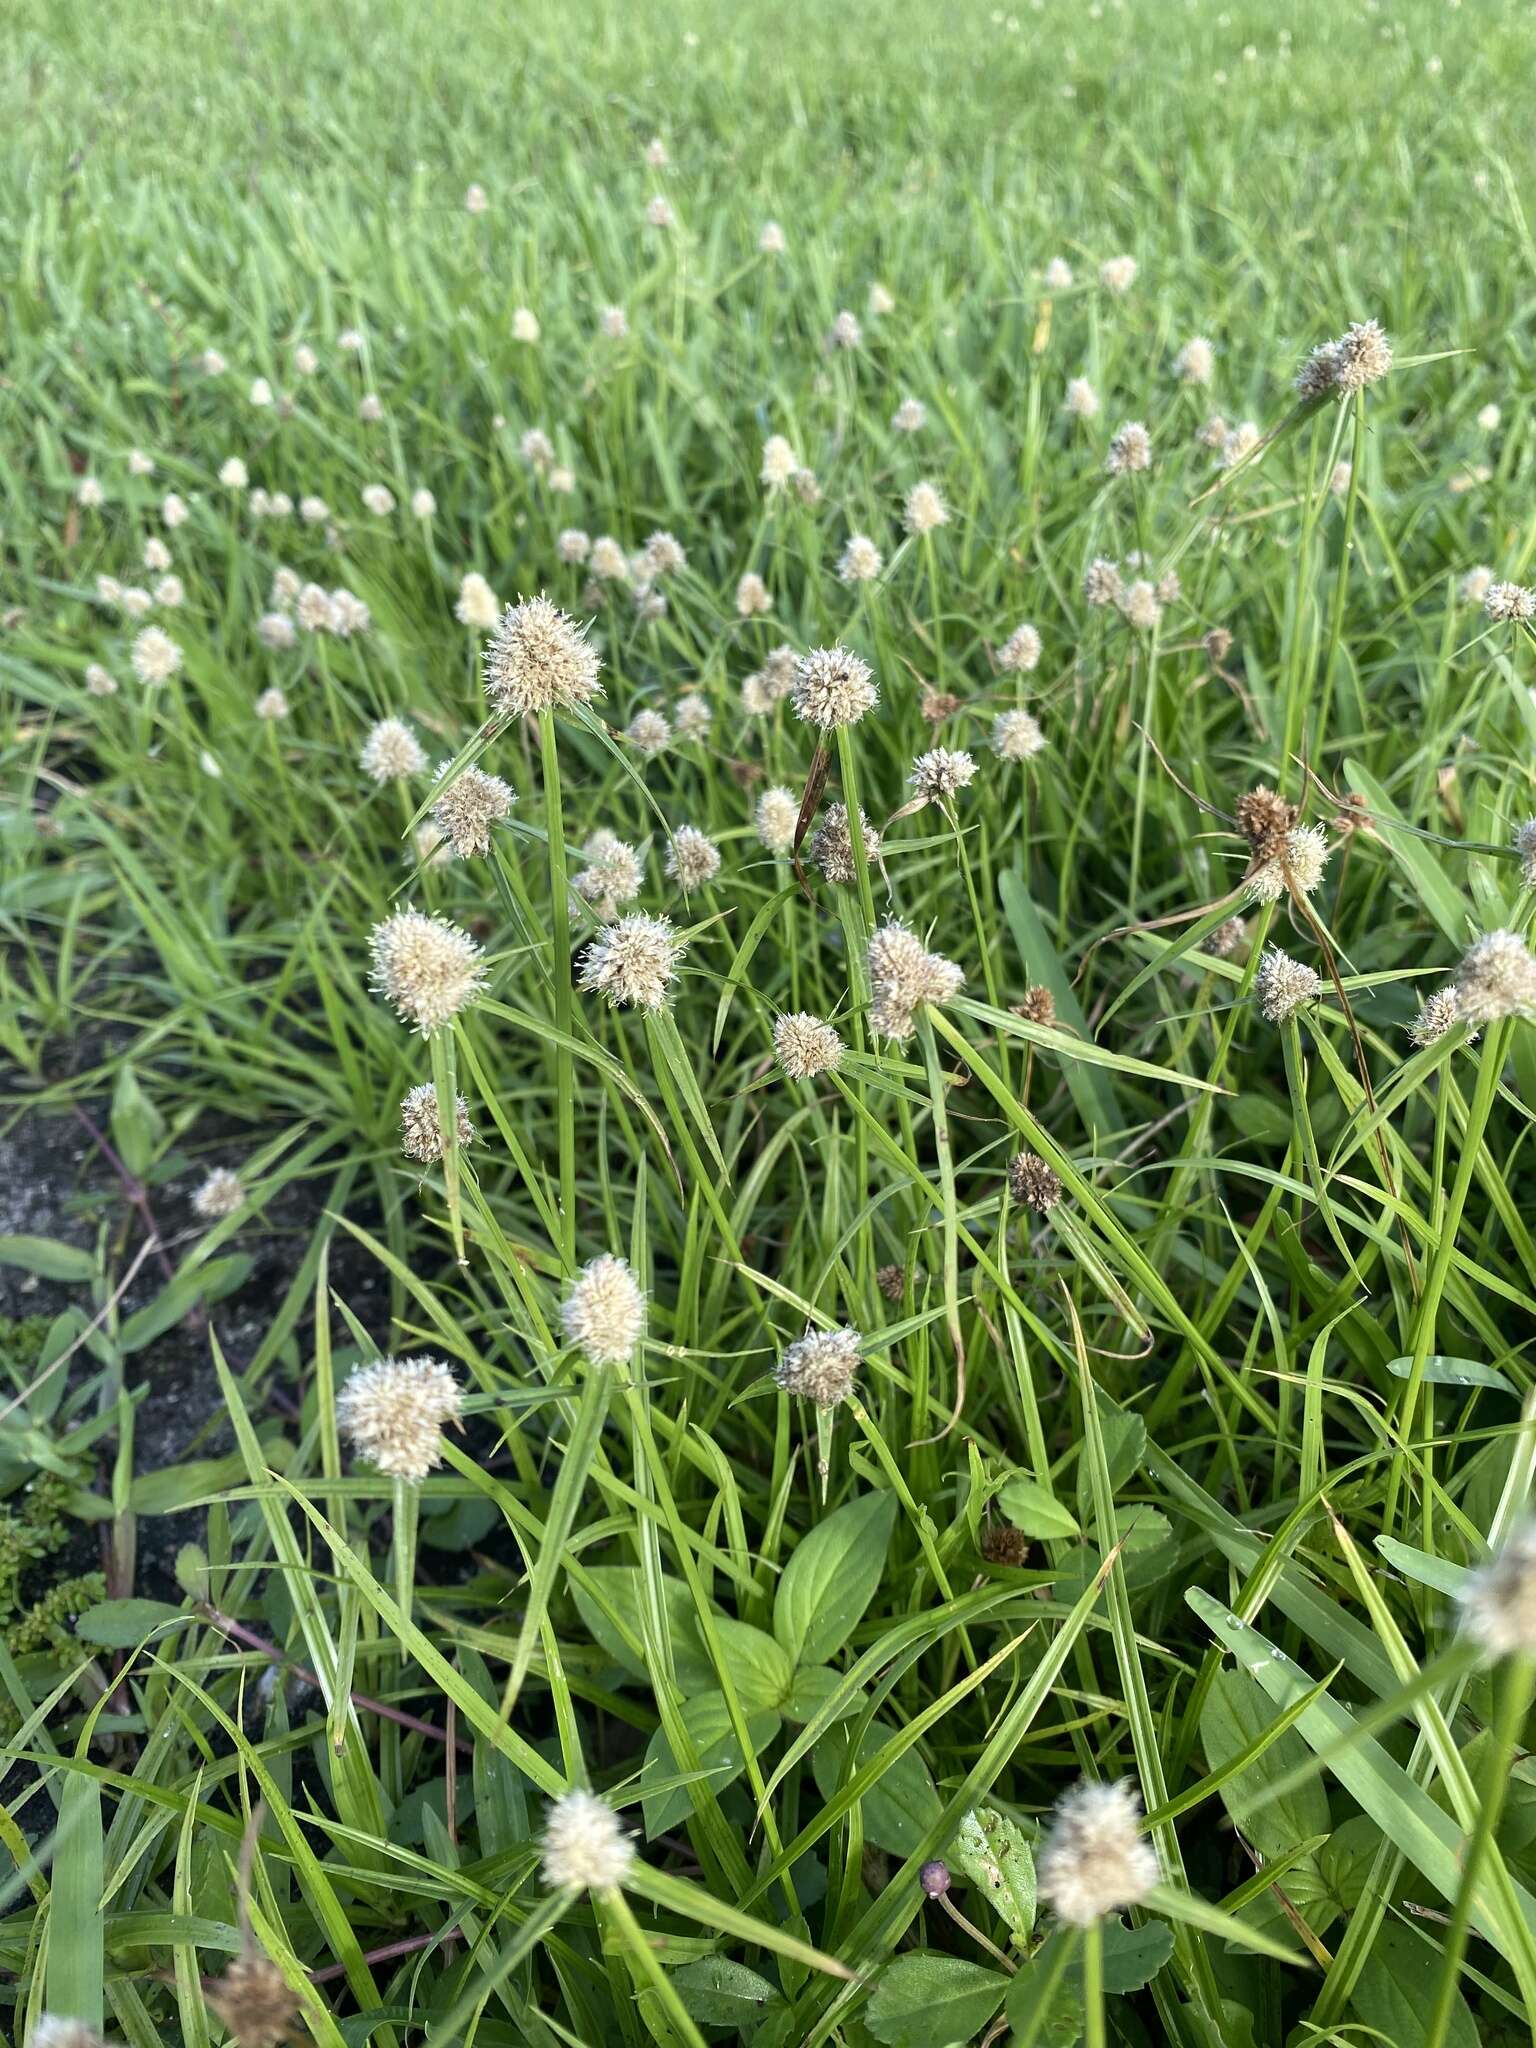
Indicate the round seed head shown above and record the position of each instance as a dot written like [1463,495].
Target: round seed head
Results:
[663,555]
[777,814]
[833,687]
[806,1045]
[1102,583]
[421,1129]
[892,1282]
[53,2032]
[1496,978]
[1195,362]
[156,656]
[254,2003]
[1130,450]
[820,1366]
[934,1879]
[648,732]
[1095,1859]
[633,961]
[604,1312]
[584,1847]
[1282,985]
[1118,274]
[1438,1014]
[613,876]
[271,705]
[1038,1007]
[1082,401]
[832,844]
[1033,1184]
[275,630]
[692,716]
[573,545]
[1476,584]
[910,417]
[1504,603]
[1498,1598]
[1058,275]
[609,562]
[941,772]
[525,324]
[1297,867]
[753,597]
[391,752]
[1140,605]
[1363,356]
[426,968]
[779,462]
[100,682]
[1016,735]
[771,240]
[693,858]
[924,509]
[903,976]
[393,1412]
[539,660]
[219,1195]
[846,331]
[1228,938]
[1020,652]
[861,561]
[468,807]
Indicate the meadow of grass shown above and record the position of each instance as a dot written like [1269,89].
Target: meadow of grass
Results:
[1190,1287]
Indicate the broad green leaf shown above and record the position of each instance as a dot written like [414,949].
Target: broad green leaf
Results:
[1132,1956]
[725,1994]
[1235,1715]
[995,1854]
[1454,1372]
[617,1587]
[812,1688]
[1125,1443]
[933,2001]
[901,1807]
[138,1128]
[1045,2000]
[1395,1992]
[759,1668]
[46,1257]
[708,1722]
[1035,1509]
[832,1577]
[121,1624]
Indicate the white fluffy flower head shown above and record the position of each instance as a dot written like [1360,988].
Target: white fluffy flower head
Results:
[603,1315]
[538,659]
[426,968]
[1095,1858]
[820,1366]
[584,1846]
[833,687]
[633,961]
[394,1410]
[1498,1598]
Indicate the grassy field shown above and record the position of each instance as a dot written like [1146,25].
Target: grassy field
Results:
[655,1554]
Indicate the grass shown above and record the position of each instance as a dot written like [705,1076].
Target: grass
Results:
[1172,1482]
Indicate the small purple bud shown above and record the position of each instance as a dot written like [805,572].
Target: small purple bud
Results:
[934,1878]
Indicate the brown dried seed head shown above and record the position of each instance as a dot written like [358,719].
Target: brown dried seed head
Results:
[1264,818]
[1001,1543]
[937,705]
[1038,1007]
[253,2001]
[1218,644]
[1033,1183]
[891,1281]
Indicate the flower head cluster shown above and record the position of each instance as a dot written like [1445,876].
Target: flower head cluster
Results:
[1282,985]
[924,509]
[220,1194]
[1496,978]
[612,876]
[1498,1598]
[941,772]
[1359,357]
[693,858]
[394,1411]
[1095,1858]
[861,561]
[1195,362]
[1297,865]
[584,1847]
[806,1045]
[1034,1184]
[833,687]
[53,2031]
[477,604]
[391,752]
[633,961]
[426,968]
[156,656]
[779,462]
[753,597]
[1504,603]
[820,1366]
[467,808]
[648,733]
[539,660]
[776,816]
[1118,274]
[910,417]
[1102,583]
[903,976]
[1016,735]
[832,843]
[603,1314]
[1020,652]
[254,2002]
[1130,450]
[1082,401]
[1437,1014]
[421,1129]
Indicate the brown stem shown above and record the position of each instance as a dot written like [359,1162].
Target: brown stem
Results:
[252,1641]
